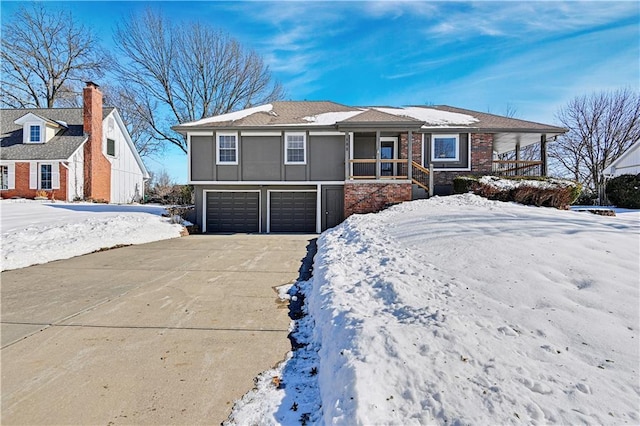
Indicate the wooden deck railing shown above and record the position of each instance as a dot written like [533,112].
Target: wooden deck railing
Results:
[389,169]
[517,168]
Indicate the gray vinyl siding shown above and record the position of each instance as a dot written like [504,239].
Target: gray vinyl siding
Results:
[261,158]
[364,146]
[463,153]
[203,158]
[326,158]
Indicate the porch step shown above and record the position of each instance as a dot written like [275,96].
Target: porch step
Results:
[418,193]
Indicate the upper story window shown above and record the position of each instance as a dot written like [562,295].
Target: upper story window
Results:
[227,152]
[295,148]
[34,134]
[111,147]
[445,148]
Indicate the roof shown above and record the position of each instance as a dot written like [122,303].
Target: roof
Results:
[61,146]
[285,114]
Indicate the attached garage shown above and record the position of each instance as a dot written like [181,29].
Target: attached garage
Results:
[292,211]
[232,211]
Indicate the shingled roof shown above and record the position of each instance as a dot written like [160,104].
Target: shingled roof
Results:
[60,147]
[284,114]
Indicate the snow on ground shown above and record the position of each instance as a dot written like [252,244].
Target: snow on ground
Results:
[34,232]
[461,310]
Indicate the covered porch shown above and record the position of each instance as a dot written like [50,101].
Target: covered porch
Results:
[520,154]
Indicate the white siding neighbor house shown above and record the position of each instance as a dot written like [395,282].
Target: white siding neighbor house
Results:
[70,153]
[627,164]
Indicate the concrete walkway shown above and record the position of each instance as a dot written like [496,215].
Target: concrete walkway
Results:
[170,332]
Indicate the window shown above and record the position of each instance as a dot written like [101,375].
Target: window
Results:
[34,133]
[45,176]
[445,148]
[227,148]
[296,148]
[111,147]
[4,177]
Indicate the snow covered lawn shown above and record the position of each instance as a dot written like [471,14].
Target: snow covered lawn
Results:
[461,310]
[34,232]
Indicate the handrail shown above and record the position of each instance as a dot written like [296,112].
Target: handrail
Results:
[420,176]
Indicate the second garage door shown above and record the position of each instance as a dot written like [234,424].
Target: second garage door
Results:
[233,211]
[292,211]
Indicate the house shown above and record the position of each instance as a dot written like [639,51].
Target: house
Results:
[70,153]
[627,164]
[305,166]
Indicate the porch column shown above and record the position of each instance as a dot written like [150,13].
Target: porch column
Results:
[409,153]
[347,156]
[378,149]
[543,154]
[517,157]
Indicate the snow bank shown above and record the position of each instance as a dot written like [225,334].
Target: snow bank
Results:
[462,310]
[465,310]
[35,233]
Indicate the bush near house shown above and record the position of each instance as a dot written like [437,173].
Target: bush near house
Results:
[624,191]
[537,191]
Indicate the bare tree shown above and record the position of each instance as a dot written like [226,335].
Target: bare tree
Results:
[601,127]
[179,72]
[45,55]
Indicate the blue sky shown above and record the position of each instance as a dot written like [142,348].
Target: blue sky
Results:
[485,56]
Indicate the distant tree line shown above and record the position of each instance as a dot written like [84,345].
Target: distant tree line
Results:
[161,73]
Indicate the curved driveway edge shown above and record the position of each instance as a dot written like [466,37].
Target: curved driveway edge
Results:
[170,332]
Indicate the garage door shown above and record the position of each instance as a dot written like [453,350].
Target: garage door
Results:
[233,212]
[292,211]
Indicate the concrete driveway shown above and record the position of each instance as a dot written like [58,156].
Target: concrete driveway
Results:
[170,332]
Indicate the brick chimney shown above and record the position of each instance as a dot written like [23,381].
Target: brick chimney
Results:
[97,169]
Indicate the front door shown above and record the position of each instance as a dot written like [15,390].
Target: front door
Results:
[388,152]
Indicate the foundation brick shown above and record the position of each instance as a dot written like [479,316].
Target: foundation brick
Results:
[372,197]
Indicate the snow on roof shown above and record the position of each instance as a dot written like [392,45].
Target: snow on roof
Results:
[431,116]
[329,118]
[231,116]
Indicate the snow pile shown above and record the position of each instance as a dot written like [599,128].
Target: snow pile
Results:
[35,233]
[462,310]
[509,184]
[231,116]
[330,118]
[432,117]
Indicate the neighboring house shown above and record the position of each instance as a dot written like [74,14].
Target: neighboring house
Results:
[305,166]
[70,153]
[627,164]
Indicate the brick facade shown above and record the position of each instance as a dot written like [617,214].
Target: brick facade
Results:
[22,184]
[416,148]
[372,197]
[481,152]
[481,160]
[97,169]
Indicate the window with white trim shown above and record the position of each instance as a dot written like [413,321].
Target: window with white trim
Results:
[4,177]
[445,148]
[111,147]
[227,152]
[46,176]
[295,148]
[34,134]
